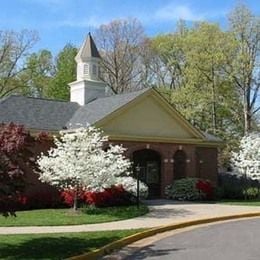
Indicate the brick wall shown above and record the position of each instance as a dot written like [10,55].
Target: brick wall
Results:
[206,166]
[194,155]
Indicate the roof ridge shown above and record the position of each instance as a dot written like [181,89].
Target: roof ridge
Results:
[36,98]
[123,94]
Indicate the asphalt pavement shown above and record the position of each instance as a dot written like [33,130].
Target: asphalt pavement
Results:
[236,240]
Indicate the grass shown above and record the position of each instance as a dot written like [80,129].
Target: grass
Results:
[61,217]
[241,202]
[56,246]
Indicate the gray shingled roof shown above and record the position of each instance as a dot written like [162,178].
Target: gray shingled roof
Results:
[211,137]
[87,50]
[36,113]
[101,107]
[52,115]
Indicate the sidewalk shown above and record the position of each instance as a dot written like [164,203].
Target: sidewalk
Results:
[162,212]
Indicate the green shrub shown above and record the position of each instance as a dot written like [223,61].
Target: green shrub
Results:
[235,187]
[251,193]
[185,189]
[218,193]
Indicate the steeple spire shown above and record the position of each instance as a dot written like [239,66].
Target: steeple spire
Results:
[88,85]
[87,50]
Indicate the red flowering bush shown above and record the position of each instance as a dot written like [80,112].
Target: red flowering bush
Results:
[114,196]
[16,157]
[13,139]
[40,200]
[68,197]
[190,189]
[206,188]
[43,136]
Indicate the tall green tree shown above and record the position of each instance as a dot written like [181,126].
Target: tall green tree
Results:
[192,72]
[39,73]
[167,58]
[120,44]
[65,72]
[244,69]
[207,50]
[15,47]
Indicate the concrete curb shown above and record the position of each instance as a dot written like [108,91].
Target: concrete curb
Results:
[133,238]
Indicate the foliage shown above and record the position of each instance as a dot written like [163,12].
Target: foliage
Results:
[39,73]
[244,67]
[79,162]
[233,186]
[57,246]
[194,59]
[251,193]
[16,156]
[246,161]
[205,188]
[13,139]
[40,199]
[190,189]
[113,196]
[119,43]
[14,49]
[65,72]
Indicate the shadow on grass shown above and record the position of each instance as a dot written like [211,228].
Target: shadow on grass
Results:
[169,212]
[51,247]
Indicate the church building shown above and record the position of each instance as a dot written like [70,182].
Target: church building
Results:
[159,140]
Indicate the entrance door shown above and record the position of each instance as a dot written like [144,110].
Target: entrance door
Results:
[179,168]
[150,164]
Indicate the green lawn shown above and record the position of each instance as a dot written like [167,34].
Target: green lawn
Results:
[59,217]
[241,202]
[56,246]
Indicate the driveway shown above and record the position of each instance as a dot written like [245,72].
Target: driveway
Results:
[162,212]
[233,240]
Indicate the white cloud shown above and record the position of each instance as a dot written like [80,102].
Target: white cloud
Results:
[175,12]
[91,21]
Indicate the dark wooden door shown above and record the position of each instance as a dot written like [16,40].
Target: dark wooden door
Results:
[179,168]
[149,163]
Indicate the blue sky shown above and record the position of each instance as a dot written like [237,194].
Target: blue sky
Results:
[62,21]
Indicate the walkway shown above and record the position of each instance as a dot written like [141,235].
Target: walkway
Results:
[162,212]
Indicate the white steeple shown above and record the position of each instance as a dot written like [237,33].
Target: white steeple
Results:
[88,85]
[88,59]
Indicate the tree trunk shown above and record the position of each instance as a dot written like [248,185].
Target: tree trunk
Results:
[75,203]
[247,117]
[214,110]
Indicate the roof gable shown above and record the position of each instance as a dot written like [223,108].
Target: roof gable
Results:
[101,108]
[148,115]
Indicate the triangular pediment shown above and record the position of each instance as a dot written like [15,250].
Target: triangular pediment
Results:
[149,116]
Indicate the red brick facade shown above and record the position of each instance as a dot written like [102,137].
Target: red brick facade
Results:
[201,162]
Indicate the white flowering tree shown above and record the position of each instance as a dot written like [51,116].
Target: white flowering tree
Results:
[247,160]
[79,162]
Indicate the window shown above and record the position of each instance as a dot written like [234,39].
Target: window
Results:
[86,70]
[94,69]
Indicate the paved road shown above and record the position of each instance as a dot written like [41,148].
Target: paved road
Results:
[239,240]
